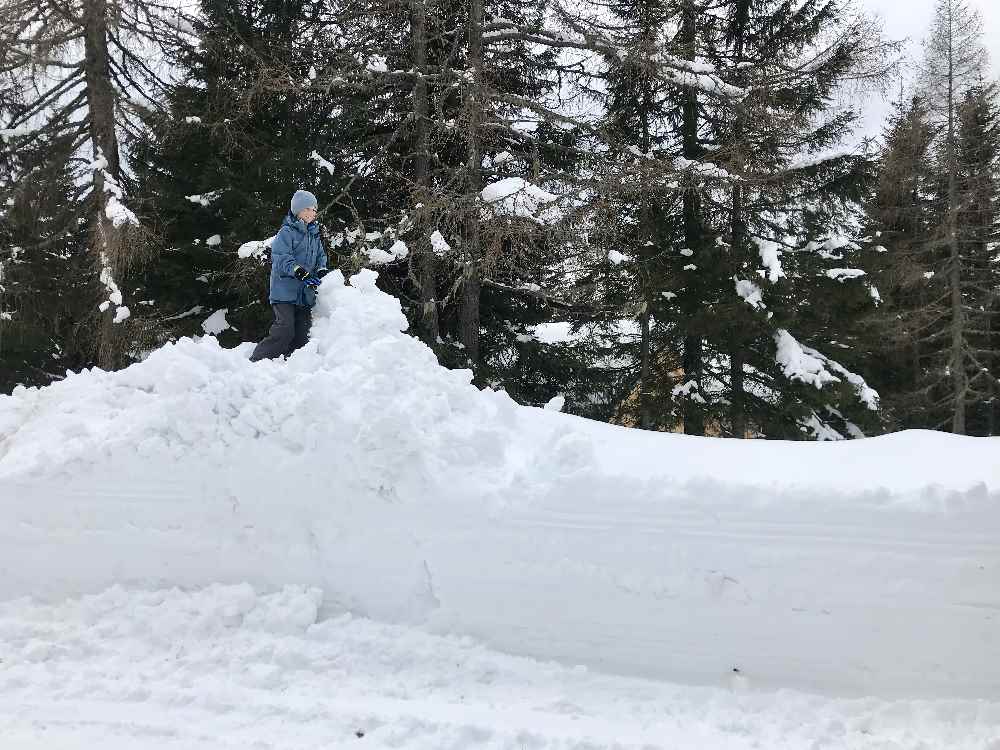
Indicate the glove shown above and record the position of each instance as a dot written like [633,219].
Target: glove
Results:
[312,281]
[321,273]
[300,273]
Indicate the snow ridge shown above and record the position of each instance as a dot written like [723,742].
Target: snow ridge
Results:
[361,468]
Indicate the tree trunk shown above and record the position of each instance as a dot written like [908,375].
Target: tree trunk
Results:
[694,416]
[425,259]
[472,279]
[645,237]
[101,110]
[958,374]
[100,92]
[738,395]
[737,356]
[645,397]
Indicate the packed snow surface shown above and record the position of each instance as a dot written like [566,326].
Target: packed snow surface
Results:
[361,468]
[231,667]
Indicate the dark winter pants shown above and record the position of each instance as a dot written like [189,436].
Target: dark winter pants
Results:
[289,332]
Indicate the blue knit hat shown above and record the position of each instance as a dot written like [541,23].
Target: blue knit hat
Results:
[303,199]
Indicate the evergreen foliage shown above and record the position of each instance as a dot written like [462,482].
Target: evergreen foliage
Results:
[654,208]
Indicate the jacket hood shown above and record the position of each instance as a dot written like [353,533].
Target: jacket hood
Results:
[293,222]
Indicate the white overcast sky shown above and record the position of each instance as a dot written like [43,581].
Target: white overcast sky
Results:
[911,18]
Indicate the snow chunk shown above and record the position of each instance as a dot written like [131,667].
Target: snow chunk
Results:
[820,430]
[770,258]
[800,363]
[616,258]
[705,169]
[121,314]
[828,248]
[809,366]
[439,244]
[804,161]
[843,274]
[688,390]
[214,240]
[397,251]
[204,199]
[114,209]
[750,292]
[119,213]
[192,120]
[557,332]
[114,293]
[322,163]
[518,197]
[196,310]
[255,248]
[8,134]
[556,403]
[216,323]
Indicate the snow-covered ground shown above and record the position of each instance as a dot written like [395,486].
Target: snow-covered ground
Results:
[866,572]
[224,667]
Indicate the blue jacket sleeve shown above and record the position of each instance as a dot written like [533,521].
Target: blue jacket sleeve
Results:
[321,260]
[282,257]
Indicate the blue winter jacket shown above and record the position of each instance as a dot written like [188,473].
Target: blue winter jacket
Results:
[297,244]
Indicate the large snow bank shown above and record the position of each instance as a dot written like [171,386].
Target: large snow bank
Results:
[361,467]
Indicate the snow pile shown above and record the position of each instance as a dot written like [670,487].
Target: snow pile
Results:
[231,667]
[195,396]
[361,468]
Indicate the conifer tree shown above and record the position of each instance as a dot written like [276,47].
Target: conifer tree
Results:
[473,154]
[787,223]
[244,127]
[88,68]
[764,212]
[901,218]
[953,63]
[978,191]
[48,299]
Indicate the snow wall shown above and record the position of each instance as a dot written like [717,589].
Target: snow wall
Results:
[361,467]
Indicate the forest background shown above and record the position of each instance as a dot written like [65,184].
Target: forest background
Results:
[671,214]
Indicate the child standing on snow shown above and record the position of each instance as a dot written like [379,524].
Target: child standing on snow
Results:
[298,265]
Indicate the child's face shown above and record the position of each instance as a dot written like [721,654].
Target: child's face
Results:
[308,215]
